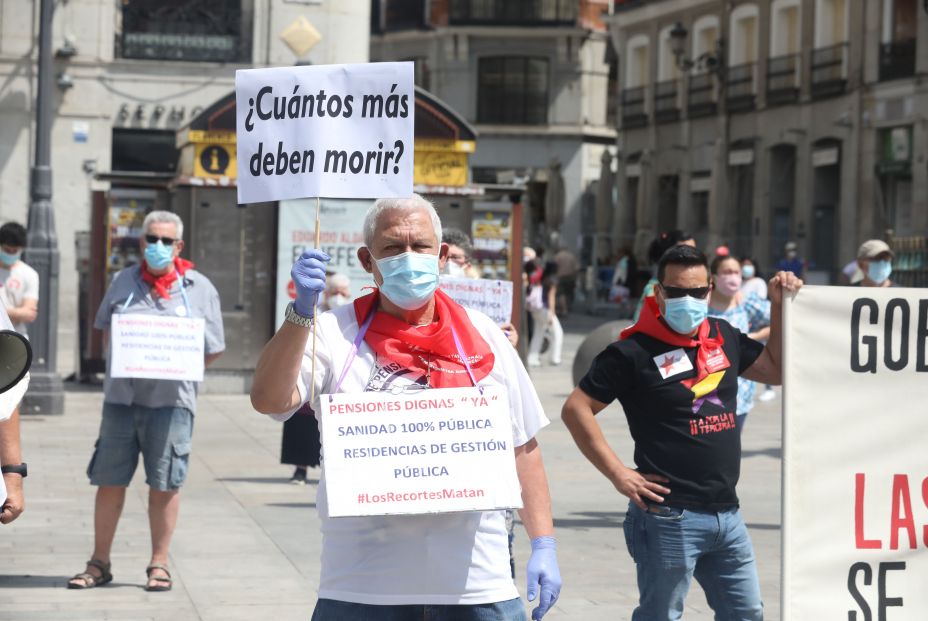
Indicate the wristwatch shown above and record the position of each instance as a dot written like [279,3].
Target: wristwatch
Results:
[294,317]
[19,469]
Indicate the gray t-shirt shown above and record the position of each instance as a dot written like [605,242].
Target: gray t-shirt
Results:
[204,302]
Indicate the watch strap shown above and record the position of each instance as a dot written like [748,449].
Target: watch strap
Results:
[19,469]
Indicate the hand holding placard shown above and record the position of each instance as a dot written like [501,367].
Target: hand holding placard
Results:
[308,274]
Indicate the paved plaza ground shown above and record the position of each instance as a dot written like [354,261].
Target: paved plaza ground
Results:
[247,544]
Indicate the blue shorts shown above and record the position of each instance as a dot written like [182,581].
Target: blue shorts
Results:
[162,435]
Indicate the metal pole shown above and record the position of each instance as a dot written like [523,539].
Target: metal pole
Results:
[46,392]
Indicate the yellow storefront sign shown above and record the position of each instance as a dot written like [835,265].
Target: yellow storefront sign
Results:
[442,162]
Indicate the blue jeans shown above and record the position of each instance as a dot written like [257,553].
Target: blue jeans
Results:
[333,610]
[673,547]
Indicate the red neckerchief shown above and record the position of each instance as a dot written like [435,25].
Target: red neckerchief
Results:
[413,346]
[162,283]
[651,324]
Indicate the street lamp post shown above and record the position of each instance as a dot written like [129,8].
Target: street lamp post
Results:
[710,62]
[46,392]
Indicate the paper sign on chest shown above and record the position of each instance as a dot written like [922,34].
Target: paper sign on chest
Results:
[157,347]
[428,451]
[342,131]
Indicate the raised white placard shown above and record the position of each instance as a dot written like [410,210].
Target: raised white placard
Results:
[855,487]
[491,297]
[336,131]
[157,347]
[427,451]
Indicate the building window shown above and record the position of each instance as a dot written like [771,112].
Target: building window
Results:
[182,30]
[394,15]
[900,29]
[830,22]
[143,150]
[512,90]
[513,12]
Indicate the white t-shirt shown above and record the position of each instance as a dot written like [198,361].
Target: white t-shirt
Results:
[16,284]
[441,559]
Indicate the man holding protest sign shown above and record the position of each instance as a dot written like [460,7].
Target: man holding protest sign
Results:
[164,326]
[675,374]
[421,364]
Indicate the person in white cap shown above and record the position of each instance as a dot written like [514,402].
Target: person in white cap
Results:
[875,259]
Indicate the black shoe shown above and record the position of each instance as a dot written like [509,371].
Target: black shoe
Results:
[299,476]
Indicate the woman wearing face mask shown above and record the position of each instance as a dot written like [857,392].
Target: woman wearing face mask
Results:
[875,259]
[747,312]
[751,282]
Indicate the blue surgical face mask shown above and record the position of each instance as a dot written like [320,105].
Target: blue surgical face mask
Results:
[685,314]
[9,258]
[879,271]
[158,256]
[409,279]
[747,272]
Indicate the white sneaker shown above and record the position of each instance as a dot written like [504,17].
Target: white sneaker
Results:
[533,362]
[767,395]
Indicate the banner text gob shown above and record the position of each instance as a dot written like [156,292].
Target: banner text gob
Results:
[855,540]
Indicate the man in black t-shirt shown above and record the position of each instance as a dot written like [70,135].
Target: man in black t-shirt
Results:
[675,373]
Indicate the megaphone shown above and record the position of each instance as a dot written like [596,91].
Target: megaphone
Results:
[15,360]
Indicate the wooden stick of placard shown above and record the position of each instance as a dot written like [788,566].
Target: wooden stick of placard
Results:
[312,390]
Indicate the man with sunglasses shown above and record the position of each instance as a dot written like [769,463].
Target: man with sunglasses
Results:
[409,337]
[153,417]
[675,374]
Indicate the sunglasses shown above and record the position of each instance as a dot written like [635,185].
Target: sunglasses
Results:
[678,292]
[154,239]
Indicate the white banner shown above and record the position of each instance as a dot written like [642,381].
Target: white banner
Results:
[491,297]
[855,529]
[341,235]
[157,347]
[428,451]
[337,131]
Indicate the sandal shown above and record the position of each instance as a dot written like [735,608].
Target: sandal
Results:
[166,580]
[89,580]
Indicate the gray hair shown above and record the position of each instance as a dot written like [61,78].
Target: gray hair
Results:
[457,237]
[404,205]
[164,216]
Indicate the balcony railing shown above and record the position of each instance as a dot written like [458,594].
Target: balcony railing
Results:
[897,60]
[200,30]
[783,80]
[666,101]
[740,87]
[829,70]
[634,107]
[703,100]
[513,12]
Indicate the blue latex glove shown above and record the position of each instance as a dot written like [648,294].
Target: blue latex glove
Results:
[542,569]
[308,274]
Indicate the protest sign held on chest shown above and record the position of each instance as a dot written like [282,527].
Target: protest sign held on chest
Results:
[430,451]
[855,466]
[157,347]
[330,130]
